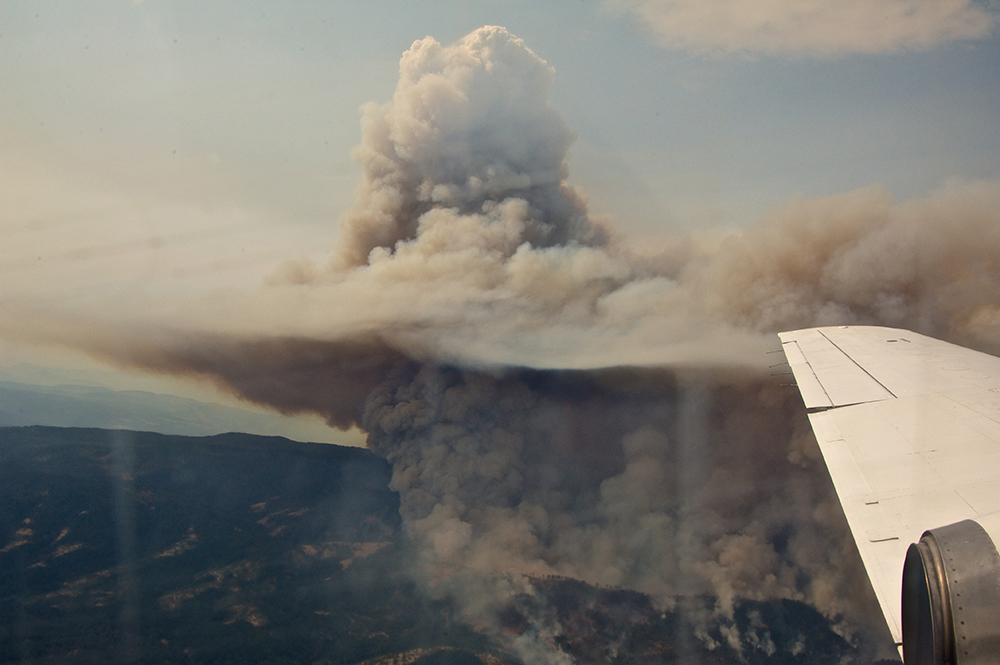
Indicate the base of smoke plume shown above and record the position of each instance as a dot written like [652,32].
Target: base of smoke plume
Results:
[665,484]
[717,471]
[566,620]
[742,505]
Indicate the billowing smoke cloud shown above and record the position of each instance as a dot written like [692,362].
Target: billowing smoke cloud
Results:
[466,240]
[823,28]
[674,484]
[469,134]
[554,401]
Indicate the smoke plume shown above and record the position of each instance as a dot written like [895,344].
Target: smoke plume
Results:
[554,401]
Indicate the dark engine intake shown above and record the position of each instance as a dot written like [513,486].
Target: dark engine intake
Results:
[951,597]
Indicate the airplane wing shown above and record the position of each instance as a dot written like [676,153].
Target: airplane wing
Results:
[909,428]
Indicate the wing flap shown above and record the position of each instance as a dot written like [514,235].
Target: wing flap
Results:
[841,379]
[805,378]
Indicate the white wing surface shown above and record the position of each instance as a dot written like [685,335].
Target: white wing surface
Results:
[909,427]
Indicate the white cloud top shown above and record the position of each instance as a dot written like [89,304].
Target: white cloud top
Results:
[812,28]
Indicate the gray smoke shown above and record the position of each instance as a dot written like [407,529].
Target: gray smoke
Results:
[554,401]
[671,483]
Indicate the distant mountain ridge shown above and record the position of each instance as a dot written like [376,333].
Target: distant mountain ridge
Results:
[120,546]
[86,403]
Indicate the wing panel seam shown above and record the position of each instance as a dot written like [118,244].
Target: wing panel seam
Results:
[815,377]
[848,356]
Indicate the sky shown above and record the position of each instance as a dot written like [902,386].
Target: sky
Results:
[168,152]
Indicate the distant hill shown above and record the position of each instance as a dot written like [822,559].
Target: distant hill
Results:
[119,546]
[86,404]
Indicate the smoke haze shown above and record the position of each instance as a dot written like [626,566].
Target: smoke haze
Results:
[555,400]
[821,29]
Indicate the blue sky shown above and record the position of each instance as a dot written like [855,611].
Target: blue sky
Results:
[164,149]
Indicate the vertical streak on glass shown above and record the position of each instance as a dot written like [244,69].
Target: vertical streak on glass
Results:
[692,447]
[123,453]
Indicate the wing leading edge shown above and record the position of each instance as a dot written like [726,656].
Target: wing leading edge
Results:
[909,427]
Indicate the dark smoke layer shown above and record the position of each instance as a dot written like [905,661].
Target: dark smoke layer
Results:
[554,401]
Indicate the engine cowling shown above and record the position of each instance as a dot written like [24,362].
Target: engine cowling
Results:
[951,596]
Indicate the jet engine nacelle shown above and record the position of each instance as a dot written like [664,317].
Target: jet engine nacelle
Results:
[951,595]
